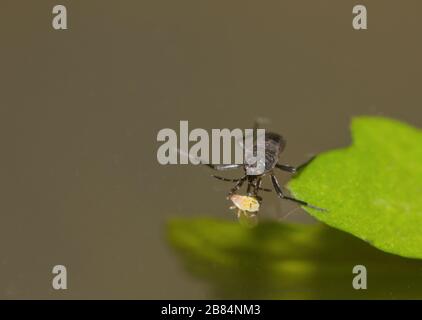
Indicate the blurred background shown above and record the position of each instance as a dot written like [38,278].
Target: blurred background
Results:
[80,110]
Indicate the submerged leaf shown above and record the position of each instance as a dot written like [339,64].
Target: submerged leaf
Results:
[373,188]
[277,261]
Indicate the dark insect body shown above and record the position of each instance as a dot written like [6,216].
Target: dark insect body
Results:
[274,146]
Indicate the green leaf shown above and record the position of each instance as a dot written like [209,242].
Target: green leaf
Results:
[373,188]
[277,261]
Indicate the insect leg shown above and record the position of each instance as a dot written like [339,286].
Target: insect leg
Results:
[248,190]
[283,196]
[212,166]
[225,179]
[253,183]
[222,167]
[265,189]
[237,186]
[286,167]
[261,188]
[292,169]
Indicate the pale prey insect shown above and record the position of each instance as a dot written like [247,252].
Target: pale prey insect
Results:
[244,203]
[247,209]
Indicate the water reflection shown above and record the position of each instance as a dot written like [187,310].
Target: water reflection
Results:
[278,261]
